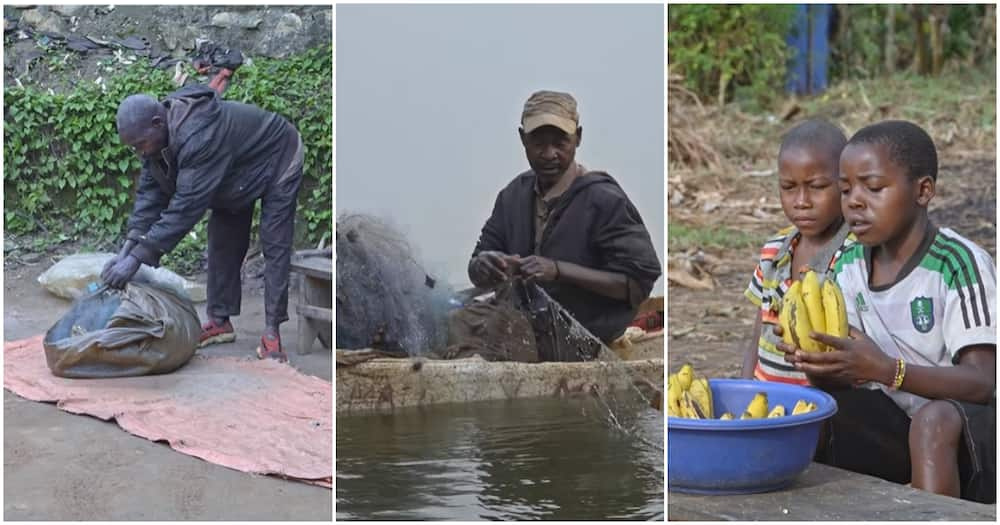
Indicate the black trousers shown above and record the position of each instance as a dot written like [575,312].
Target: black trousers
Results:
[229,239]
[870,434]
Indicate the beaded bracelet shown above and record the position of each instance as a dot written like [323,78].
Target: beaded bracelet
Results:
[900,373]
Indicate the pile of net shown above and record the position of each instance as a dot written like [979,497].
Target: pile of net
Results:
[385,299]
[387,302]
[519,322]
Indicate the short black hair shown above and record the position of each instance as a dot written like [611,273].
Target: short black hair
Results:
[908,145]
[816,134]
[136,113]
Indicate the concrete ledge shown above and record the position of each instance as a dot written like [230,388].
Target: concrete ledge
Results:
[384,385]
[825,493]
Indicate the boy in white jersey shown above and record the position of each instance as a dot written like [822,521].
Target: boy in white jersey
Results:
[915,381]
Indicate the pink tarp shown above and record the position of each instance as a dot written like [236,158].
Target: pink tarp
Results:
[254,416]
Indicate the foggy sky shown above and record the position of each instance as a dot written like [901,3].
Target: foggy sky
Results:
[429,100]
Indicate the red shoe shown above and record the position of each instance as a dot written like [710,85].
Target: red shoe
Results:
[213,334]
[270,347]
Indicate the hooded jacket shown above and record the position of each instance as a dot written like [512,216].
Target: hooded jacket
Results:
[219,155]
[593,224]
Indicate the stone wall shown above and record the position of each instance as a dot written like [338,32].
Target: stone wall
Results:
[36,37]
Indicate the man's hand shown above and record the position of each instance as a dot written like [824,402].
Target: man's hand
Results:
[126,248]
[108,266]
[490,268]
[122,272]
[539,268]
[854,360]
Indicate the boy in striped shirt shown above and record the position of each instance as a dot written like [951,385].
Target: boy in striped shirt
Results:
[808,165]
[915,381]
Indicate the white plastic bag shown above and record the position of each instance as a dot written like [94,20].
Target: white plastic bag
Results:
[70,277]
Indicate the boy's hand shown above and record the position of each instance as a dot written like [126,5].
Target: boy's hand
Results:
[855,359]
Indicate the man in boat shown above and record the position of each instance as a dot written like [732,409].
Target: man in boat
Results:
[572,230]
[198,153]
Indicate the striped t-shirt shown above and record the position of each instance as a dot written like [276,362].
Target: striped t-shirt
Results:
[943,301]
[771,279]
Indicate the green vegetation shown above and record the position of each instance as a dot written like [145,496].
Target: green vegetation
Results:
[873,40]
[682,237]
[722,51]
[738,53]
[67,175]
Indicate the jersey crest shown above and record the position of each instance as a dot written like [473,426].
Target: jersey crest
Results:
[922,314]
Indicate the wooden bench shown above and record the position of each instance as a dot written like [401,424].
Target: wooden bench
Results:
[315,306]
[825,493]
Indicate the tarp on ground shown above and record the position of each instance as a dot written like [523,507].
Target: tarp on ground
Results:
[254,416]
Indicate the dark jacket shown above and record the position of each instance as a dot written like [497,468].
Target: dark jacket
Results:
[220,155]
[592,224]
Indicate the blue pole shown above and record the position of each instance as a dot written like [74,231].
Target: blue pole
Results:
[819,31]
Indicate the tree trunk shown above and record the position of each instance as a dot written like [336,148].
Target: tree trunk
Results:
[890,39]
[723,86]
[845,38]
[987,45]
[921,56]
[936,21]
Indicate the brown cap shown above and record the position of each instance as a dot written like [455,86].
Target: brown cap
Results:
[550,108]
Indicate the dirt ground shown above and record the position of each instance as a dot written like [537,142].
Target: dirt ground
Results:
[723,192]
[60,466]
[709,328]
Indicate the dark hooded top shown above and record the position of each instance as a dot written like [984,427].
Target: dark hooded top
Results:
[219,155]
[593,224]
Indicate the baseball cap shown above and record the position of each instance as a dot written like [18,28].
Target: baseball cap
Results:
[550,108]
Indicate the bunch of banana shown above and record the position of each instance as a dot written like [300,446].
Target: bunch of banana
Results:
[688,396]
[809,307]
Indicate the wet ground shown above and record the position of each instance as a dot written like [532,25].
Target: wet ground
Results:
[506,460]
[60,466]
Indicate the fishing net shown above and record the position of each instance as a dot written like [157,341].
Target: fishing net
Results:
[387,302]
[385,299]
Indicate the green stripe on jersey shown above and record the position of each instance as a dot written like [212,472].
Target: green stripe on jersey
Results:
[849,256]
[965,253]
[949,265]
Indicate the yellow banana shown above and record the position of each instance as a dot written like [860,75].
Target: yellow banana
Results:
[835,309]
[757,408]
[813,298]
[708,392]
[702,395]
[803,407]
[674,397]
[685,376]
[798,320]
[746,415]
[777,411]
[694,409]
[784,316]
[726,416]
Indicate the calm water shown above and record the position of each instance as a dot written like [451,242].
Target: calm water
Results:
[524,459]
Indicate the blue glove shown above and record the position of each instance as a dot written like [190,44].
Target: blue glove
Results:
[122,272]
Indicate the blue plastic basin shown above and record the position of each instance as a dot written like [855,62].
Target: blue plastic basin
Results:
[711,456]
